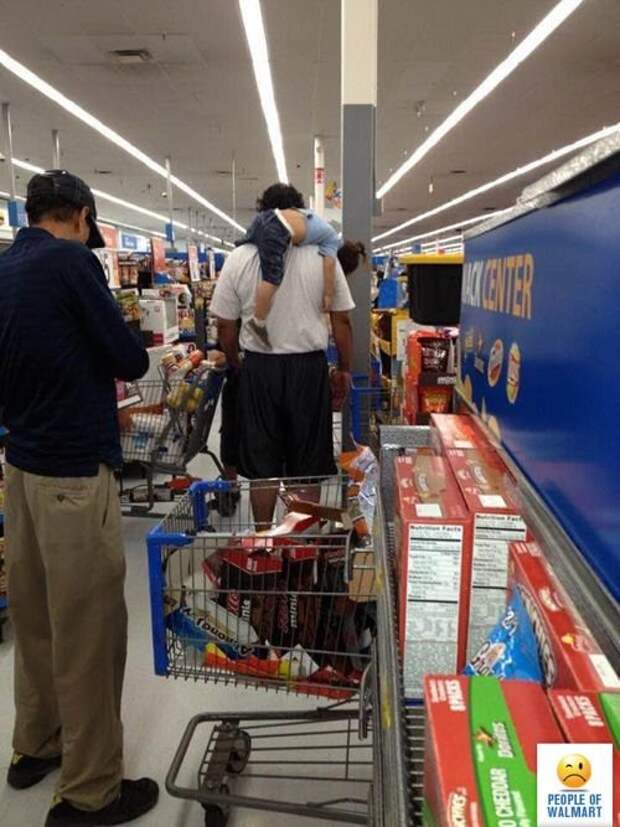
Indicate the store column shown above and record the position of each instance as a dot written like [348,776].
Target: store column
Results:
[359,101]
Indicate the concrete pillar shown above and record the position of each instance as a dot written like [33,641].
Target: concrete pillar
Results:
[359,101]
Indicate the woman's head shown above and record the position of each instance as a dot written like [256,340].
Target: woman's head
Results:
[349,256]
[280,197]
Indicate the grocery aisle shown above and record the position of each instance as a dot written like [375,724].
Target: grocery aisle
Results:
[155,712]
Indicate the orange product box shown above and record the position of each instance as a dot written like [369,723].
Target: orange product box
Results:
[591,718]
[570,656]
[434,543]
[491,496]
[480,755]
[456,431]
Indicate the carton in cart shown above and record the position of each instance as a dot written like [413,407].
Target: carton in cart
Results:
[481,743]
[490,493]
[570,656]
[591,718]
[434,540]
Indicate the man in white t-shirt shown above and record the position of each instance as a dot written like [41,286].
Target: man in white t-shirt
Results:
[285,397]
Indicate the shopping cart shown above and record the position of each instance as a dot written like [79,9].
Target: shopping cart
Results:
[280,610]
[372,405]
[164,425]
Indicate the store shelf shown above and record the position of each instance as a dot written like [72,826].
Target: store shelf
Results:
[398,727]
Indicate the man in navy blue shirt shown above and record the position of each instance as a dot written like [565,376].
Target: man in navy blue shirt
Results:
[63,342]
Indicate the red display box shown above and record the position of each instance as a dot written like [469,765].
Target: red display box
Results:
[569,654]
[434,565]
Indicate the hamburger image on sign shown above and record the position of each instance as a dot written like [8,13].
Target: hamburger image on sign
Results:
[496,359]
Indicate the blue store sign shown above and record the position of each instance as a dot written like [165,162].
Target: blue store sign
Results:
[541,302]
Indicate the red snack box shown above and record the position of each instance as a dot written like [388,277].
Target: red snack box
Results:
[490,493]
[480,756]
[590,718]
[455,431]
[434,538]
[569,655]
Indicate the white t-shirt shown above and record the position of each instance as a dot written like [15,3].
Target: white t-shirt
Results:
[295,322]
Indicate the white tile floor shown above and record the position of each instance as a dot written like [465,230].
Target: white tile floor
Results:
[155,713]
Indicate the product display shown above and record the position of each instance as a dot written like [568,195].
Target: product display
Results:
[434,540]
[482,737]
[510,651]
[591,718]
[490,494]
[570,656]
[428,375]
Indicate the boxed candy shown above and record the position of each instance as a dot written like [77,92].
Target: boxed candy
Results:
[491,497]
[433,536]
[569,654]
[481,742]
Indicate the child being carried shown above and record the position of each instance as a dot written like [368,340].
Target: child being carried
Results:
[273,231]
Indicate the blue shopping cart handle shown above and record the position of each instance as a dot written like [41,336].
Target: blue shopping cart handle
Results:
[210,487]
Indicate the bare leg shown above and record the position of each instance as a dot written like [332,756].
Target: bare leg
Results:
[263,498]
[329,283]
[264,297]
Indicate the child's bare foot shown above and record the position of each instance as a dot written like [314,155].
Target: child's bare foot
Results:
[328,301]
[259,329]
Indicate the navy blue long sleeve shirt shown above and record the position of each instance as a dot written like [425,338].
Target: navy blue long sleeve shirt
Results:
[63,341]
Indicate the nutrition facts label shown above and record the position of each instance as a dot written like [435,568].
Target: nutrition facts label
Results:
[434,570]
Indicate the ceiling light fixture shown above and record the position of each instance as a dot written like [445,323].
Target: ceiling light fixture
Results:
[464,223]
[538,35]
[120,202]
[504,179]
[252,18]
[81,114]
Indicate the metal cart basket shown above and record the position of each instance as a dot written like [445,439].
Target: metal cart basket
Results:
[291,608]
[165,424]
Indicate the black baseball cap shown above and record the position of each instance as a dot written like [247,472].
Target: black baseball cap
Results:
[63,188]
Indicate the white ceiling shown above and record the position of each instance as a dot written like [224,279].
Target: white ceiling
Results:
[197,101]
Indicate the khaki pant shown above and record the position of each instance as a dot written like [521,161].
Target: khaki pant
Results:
[65,571]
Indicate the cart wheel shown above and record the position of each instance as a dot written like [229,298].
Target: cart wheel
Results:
[240,753]
[215,815]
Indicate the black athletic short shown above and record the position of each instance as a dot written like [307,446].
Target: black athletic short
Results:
[229,432]
[285,416]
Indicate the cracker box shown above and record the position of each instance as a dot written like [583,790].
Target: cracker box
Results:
[480,756]
[570,656]
[490,493]
[456,431]
[434,538]
[591,718]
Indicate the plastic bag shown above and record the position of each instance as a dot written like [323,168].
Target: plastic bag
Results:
[510,650]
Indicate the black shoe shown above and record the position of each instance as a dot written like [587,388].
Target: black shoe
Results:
[26,771]
[136,799]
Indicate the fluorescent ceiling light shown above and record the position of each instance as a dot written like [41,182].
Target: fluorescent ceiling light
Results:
[124,226]
[81,114]
[465,223]
[252,17]
[504,179]
[538,35]
[121,202]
